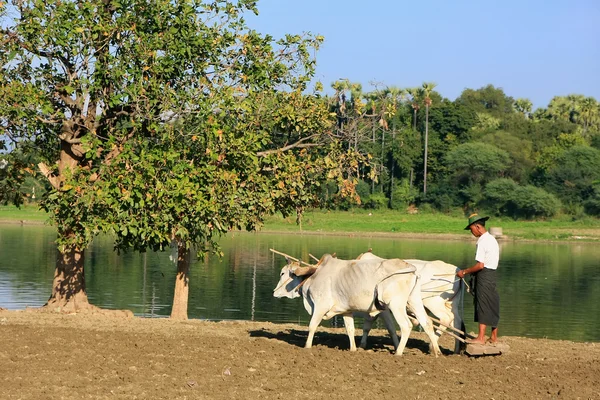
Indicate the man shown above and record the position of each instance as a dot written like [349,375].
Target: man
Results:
[487,300]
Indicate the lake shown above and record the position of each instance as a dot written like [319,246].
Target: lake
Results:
[547,289]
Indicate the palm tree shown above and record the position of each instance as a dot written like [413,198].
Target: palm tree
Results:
[415,94]
[588,112]
[523,106]
[427,89]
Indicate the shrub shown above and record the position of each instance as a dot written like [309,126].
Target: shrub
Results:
[499,197]
[376,201]
[592,205]
[506,197]
[533,202]
[403,195]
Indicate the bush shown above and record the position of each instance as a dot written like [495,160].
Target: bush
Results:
[506,197]
[363,189]
[426,208]
[403,195]
[592,205]
[533,202]
[442,196]
[573,176]
[499,197]
[376,201]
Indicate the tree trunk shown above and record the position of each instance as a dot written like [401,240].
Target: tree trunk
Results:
[68,286]
[299,212]
[426,140]
[373,180]
[415,119]
[182,288]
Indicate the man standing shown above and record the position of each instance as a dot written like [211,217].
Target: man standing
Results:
[487,300]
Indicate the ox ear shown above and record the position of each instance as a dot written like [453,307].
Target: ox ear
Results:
[304,271]
[289,260]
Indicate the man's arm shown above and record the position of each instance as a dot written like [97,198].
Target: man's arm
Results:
[473,269]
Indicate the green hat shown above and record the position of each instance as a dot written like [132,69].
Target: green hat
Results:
[475,218]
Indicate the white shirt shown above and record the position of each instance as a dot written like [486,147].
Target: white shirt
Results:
[488,251]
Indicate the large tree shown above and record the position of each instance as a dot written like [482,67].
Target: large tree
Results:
[160,122]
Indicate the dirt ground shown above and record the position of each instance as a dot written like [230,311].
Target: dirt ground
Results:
[96,356]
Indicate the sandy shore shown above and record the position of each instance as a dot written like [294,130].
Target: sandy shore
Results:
[97,356]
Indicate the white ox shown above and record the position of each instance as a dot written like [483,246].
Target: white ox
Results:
[345,286]
[441,291]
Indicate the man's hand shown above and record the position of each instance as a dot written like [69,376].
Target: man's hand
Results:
[461,273]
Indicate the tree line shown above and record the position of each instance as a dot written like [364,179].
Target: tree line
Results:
[173,123]
[483,151]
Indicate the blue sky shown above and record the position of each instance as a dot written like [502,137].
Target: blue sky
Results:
[530,48]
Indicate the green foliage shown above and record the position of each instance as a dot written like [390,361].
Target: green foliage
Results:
[574,173]
[170,126]
[533,202]
[17,178]
[519,150]
[452,119]
[376,201]
[403,195]
[506,197]
[487,99]
[499,197]
[486,123]
[477,163]
[592,204]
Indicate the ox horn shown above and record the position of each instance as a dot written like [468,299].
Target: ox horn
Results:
[288,257]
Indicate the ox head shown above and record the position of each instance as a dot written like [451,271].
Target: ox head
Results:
[291,277]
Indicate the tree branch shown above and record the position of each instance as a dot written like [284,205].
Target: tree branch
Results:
[298,145]
[64,138]
[53,179]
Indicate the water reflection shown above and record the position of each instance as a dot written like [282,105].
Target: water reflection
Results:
[547,290]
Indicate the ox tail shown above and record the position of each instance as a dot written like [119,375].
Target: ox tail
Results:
[380,305]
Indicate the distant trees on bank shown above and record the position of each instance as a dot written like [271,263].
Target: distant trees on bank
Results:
[485,150]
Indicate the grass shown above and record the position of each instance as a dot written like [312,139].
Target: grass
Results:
[387,221]
[562,228]
[27,212]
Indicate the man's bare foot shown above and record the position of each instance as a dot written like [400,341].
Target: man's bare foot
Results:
[475,341]
[491,342]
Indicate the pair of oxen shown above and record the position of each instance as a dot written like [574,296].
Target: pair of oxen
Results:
[374,286]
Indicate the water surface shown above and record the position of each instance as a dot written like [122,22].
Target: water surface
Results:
[547,289]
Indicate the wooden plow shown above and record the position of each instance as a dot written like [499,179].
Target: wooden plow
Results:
[472,349]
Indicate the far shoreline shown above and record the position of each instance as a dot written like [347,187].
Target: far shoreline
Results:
[391,235]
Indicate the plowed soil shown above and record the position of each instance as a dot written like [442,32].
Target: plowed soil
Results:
[113,356]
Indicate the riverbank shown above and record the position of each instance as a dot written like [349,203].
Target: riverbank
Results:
[388,223]
[57,356]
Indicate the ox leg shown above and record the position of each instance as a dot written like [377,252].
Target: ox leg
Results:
[439,307]
[349,324]
[399,311]
[389,325]
[391,328]
[367,325]
[416,304]
[315,320]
